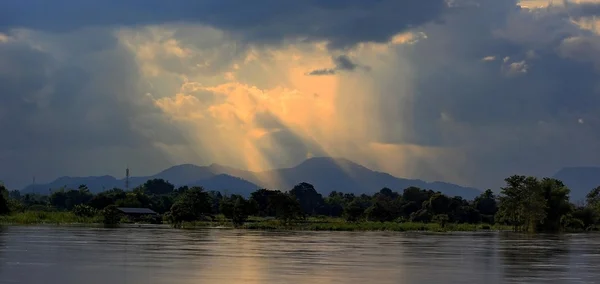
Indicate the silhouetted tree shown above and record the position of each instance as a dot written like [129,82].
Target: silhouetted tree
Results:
[487,205]
[310,200]
[191,205]
[111,215]
[522,203]
[379,211]
[84,210]
[236,208]
[264,203]
[158,187]
[556,195]
[4,209]
[286,207]
[353,211]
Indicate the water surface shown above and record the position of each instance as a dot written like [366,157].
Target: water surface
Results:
[65,255]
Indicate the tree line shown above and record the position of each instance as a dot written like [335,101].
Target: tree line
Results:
[525,203]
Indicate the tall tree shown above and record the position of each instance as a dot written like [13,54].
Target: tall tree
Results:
[310,200]
[557,204]
[522,203]
[191,205]
[486,203]
[158,187]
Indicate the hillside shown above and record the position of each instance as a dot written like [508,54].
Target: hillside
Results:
[326,174]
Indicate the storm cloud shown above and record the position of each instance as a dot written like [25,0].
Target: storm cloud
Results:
[462,91]
[342,23]
[342,63]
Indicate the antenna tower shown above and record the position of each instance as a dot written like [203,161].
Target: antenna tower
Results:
[127,178]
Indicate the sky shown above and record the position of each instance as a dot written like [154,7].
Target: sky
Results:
[463,91]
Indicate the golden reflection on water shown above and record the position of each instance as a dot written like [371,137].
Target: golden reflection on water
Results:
[153,255]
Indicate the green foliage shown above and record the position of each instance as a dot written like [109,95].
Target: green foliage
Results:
[14,194]
[486,203]
[438,204]
[191,205]
[353,211]
[334,204]
[525,203]
[40,208]
[522,203]
[45,217]
[380,211]
[587,215]
[263,199]
[158,187]
[287,208]
[111,215]
[237,209]
[110,197]
[150,219]
[67,199]
[558,208]
[441,219]
[4,205]
[310,200]
[84,210]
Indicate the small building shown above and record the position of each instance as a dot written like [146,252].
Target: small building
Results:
[137,214]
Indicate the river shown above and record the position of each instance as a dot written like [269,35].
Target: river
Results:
[65,255]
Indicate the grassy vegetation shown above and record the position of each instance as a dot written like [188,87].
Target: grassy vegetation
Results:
[42,217]
[338,224]
[255,223]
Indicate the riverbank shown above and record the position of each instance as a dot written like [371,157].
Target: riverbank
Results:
[257,223]
[41,217]
[334,224]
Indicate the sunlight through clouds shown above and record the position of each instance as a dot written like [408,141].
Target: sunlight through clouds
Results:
[445,92]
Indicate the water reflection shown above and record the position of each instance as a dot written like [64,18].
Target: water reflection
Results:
[534,258]
[164,255]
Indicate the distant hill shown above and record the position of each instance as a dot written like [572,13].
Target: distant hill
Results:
[189,175]
[227,184]
[580,180]
[326,174]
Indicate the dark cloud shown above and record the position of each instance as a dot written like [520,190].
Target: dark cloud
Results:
[578,10]
[321,72]
[503,120]
[342,63]
[343,23]
[56,113]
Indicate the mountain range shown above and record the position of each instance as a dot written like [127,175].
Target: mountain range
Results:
[326,174]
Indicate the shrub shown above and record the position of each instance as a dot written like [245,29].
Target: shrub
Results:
[40,208]
[112,216]
[84,211]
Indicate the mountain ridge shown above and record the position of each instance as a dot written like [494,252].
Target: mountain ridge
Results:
[325,173]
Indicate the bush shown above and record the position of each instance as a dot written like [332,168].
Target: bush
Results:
[4,206]
[40,208]
[237,209]
[112,216]
[151,219]
[84,211]
[441,219]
